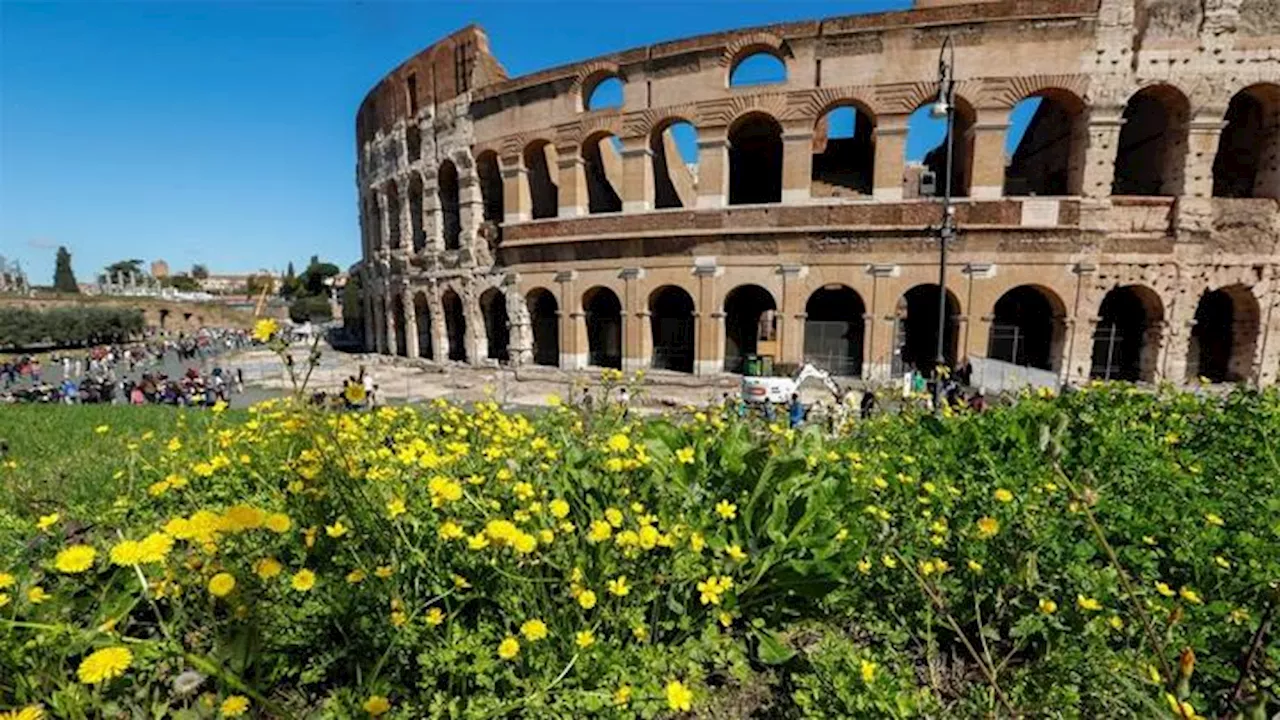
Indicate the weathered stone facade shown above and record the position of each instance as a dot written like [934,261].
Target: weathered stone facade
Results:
[1134,233]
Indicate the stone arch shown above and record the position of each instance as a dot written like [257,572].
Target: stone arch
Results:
[748,46]
[1027,328]
[539,158]
[1224,335]
[419,238]
[843,161]
[602,90]
[1126,340]
[602,167]
[391,191]
[755,159]
[489,174]
[422,316]
[544,320]
[671,318]
[1048,159]
[917,328]
[447,192]
[674,184]
[1153,143]
[1247,163]
[497,324]
[455,323]
[398,320]
[934,161]
[750,325]
[834,330]
[603,313]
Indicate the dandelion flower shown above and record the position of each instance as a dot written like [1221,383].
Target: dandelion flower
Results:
[988,527]
[267,568]
[585,639]
[154,548]
[264,329]
[508,648]
[1048,607]
[335,530]
[685,456]
[867,669]
[6,580]
[1190,595]
[377,705]
[235,706]
[303,580]
[47,521]
[534,630]
[222,584]
[75,559]
[726,510]
[435,616]
[37,595]
[356,576]
[1164,589]
[105,664]
[622,695]
[1115,622]
[618,586]
[395,508]
[1088,603]
[1003,495]
[735,552]
[679,697]
[278,523]
[587,599]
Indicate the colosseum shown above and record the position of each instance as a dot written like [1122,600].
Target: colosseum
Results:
[692,216]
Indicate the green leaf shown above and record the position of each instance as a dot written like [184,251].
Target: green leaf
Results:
[771,650]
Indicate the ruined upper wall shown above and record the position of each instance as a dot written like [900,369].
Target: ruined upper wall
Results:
[456,64]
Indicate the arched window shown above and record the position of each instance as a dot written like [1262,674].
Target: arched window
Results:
[758,68]
[544,317]
[1026,328]
[422,313]
[391,197]
[402,333]
[1126,341]
[1045,145]
[1224,336]
[607,92]
[833,330]
[1153,143]
[455,324]
[493,304]
[450,209]
[926,168]
[1247,163]
[917,329]
[843,153]
[749,322]
[418,237]
[755,160]
[671,324]
[544,193]
[602,163]
[604,327]
[490,185]
[675,165]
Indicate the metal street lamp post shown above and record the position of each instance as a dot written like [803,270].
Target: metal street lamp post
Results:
[945,106]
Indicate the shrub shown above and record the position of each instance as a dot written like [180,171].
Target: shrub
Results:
[68,326]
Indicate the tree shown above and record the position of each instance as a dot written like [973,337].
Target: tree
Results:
[289,285]
[199,272]
[312,280]
[313,308]
[124,268]
[182,283]
[64,280]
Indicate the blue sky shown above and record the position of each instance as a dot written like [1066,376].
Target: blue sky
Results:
[222,133]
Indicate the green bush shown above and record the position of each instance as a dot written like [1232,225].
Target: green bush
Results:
[313,308]
[67,326]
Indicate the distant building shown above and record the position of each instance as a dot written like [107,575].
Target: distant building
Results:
[229,283]
[159,269]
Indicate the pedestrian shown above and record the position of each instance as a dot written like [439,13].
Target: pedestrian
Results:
[624,399]
[868,404]
[979,400]
[587,402]
[795,410]
[370,388]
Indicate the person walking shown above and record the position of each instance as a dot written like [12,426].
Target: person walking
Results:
[868,404]
[795,411]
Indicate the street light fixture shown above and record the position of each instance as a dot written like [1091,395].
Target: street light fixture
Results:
[944,106]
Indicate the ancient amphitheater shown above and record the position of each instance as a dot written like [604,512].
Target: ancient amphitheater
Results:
[1133,231]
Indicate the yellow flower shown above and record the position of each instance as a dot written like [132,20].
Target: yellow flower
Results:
[4,599]
[1088,603]
[619,443]
[1048,607]
[6,580]
[102,429]
[685,456]
[587,599]
[1003,495]
[618,586]
[1115,622]
[622,695]
[585,638]
[354,393]
[154,548]
[460,582]
[1181,708]
[105,664]
[697,542]
[267,568]
[1222,562]
[47,521]
[889,561]
[975,566]
[1164,589]
[264,329]
[679,697]
[988,527]
[30,712]
[726,619]
[533,629]
[435,616]
[1190,595]
[383,571]
[377,705]
[396,508]
[867,669]
[735,552]
[559,508]
[356,576]
[335,530]
[75,559]
[303,580]
[235,706]
[222,584]
[614,516]
[864,566]
[508,648]
[37,595]
[600,531]
[726,510]
[278,523]
[1214,519]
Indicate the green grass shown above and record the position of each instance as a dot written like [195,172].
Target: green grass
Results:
[56,459]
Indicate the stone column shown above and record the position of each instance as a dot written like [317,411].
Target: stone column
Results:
[366,307]
[881,336]
[515,190]
[708,320]
[891,151]
[520,333]
[797,161]
[470,207]
[572,180]
[637,337]
[990,132]
[439,328]
[637,175]
[573,323]
[410,324]
[1080,326]
[389,315]
[713,167]
[405,220]
[791,314]
[1104,125]
[384,220]
[1195,208]
[379,320]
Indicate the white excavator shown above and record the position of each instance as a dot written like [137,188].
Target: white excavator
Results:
[760,388]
